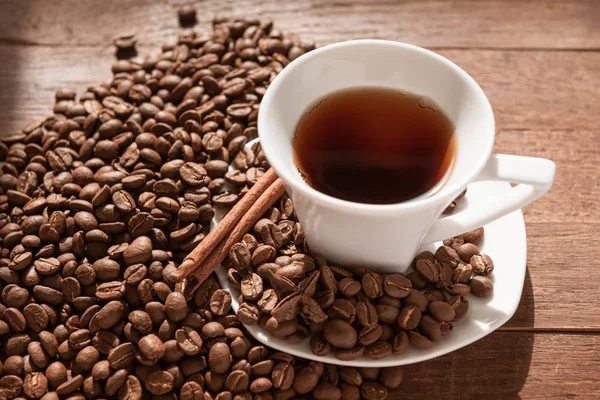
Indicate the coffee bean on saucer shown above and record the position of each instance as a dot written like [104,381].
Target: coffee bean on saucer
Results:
[481,286]
[482,264]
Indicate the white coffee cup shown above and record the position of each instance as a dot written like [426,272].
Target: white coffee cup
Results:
[386,237]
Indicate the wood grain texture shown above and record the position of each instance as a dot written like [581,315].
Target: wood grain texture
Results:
[455,23]
[509,366]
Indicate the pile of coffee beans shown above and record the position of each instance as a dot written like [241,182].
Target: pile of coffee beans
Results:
[99,203]
[357,312]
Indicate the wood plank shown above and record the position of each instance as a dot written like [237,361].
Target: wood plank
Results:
[561,290]
[526,93]
[536,90]
[456,23]
[562,228]
[509,366]
[574,195]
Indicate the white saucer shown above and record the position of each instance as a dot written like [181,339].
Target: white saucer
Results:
[505,242]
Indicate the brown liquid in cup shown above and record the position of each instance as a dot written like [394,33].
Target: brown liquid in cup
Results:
[374,145]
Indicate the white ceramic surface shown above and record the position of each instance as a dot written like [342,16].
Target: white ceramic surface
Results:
[336,228]
[505,241]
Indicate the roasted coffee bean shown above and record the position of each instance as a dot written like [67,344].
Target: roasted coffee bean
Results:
[417,299]
[481,286]
[428,270]
[460,306]
[430,328]
[342,309]
[409,317]
[372,285]
[11,386]
[159,383]
[369,334]
[219,358]
[400,343]
[220,302]
[56,373]
[378,350]
[441,311]
[474,236]
[366,313]
[305,380]
[462,273]
[318,345]
[481,264]
[176,306]
[340,334]
[396,285]
[373,391]
[252,287]
[121,356]
[189,341]
[349,287]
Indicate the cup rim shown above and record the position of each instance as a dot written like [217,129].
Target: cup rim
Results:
[326,200]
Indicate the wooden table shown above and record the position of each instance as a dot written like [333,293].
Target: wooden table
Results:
[539,63]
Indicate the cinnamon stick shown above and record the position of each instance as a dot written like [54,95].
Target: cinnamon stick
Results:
[234,215]
[210,263]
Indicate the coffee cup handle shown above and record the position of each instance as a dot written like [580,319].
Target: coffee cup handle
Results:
[533,176]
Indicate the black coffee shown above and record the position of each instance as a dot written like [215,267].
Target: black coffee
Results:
[373,145]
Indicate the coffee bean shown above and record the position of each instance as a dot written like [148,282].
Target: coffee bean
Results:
[396,285]
[121,356]
[340,334]
[349,287]
[176,306]
[373,391]
[474,236]
[342,309]
[378,350]
[220,302]
[400,343]
[430,328]
[70,385]
[460,306]
[419,341]
[252,287]
[366,314]
[281,329]
[87,358]
[417,299]
[139,251]
[481,264]
[481,286]
[219,358]
[466,251]
[369,334]
[115,381]
[409,317]
[189,341]
[372,285]
[36,317]
[123,201]
[56,373]
[11,386]
[428,270]
[441,311]
[462,273]
[15,319]
[260,385]
[159,382]
[305,380]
